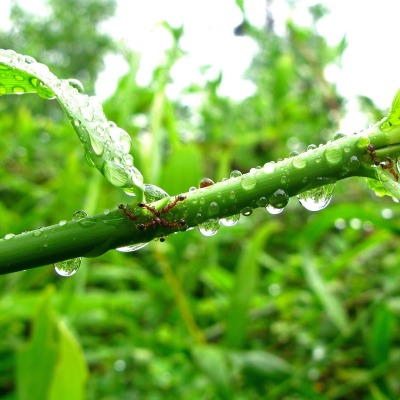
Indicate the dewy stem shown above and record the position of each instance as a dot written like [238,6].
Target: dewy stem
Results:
[93,236]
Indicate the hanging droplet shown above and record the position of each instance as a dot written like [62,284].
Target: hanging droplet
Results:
[246,211]
[318,198]
[278,199]
[209,227]
[68,267]
[132,247]
[153,193]
[115,174]
[231,220]
[273,210]
[262,202]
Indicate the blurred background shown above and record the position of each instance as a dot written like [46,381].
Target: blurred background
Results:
[298,305]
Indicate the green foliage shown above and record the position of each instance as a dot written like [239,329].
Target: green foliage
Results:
[295,305]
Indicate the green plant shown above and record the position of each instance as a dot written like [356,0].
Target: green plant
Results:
[311,176]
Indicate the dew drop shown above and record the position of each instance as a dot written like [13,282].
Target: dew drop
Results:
[205,182]
[299,162]
[333,153]
[231,220]
[338,136]
[18,89]
[62,222]
[78,215]
[192,189]
[97,145]
[9,236]
[209,227]
[43,91]
[269,167]
[153,193]
[121,139]
[273,210]
[362,142]
[246,211]
[37,232]
[115,174]
[235,174]
[232,195]
[76,84]
[132,247]
[278,199]
[213,209]
[18,78]
[318,198]
[262,202]
[68,267]
[248,181]
[311,147]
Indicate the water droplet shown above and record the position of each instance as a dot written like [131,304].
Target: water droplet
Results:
[311,147]
[262,202]
[273,210]
[132,247]
[353,163]
[209,227]
[153,193]
[121,139]
[97,145]
[205,182]
[333,153]
[269,167]
[106,212]
[235,174]
[284,180]
[232,195]
[29,59]
[192,189]
[9,236]
[231,220]
[213,209]
[299,162]
[278,199]
[338,136]
[318,198]
[246,211]
[18,89]
[37,232]
[62,222]
[362,142]
[43,91]
[248,181]
[68,267]
[76,84]
[115,174]
[18,78]
[78,215]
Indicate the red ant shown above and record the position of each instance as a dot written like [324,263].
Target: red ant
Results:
[157,220]
[389,164]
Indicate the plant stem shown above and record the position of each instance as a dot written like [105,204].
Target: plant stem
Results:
[93,236]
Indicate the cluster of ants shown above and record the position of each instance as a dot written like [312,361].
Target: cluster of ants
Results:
[388,164]
[157,219]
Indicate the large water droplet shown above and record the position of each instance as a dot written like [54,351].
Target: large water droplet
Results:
[231,220]
[278,199]
[121,138]
[299,162]
[68,267]
[269,167]
[132,247]
[153,193]
[318,198]
[115,174]
[43,91]
[333,153]
[248,181]
[209,227]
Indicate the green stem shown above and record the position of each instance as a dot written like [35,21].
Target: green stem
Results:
[96,235]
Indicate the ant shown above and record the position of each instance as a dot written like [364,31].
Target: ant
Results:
[157,220]
[389,164]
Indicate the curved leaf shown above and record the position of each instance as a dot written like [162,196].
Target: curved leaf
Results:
[106,145]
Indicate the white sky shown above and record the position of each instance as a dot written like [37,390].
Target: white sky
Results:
[368,68]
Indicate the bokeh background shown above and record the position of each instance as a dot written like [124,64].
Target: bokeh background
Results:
[298,305]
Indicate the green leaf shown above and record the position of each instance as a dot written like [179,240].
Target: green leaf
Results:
[71,371]
[331,304]
[36,360]
[107,146]
[246,282]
